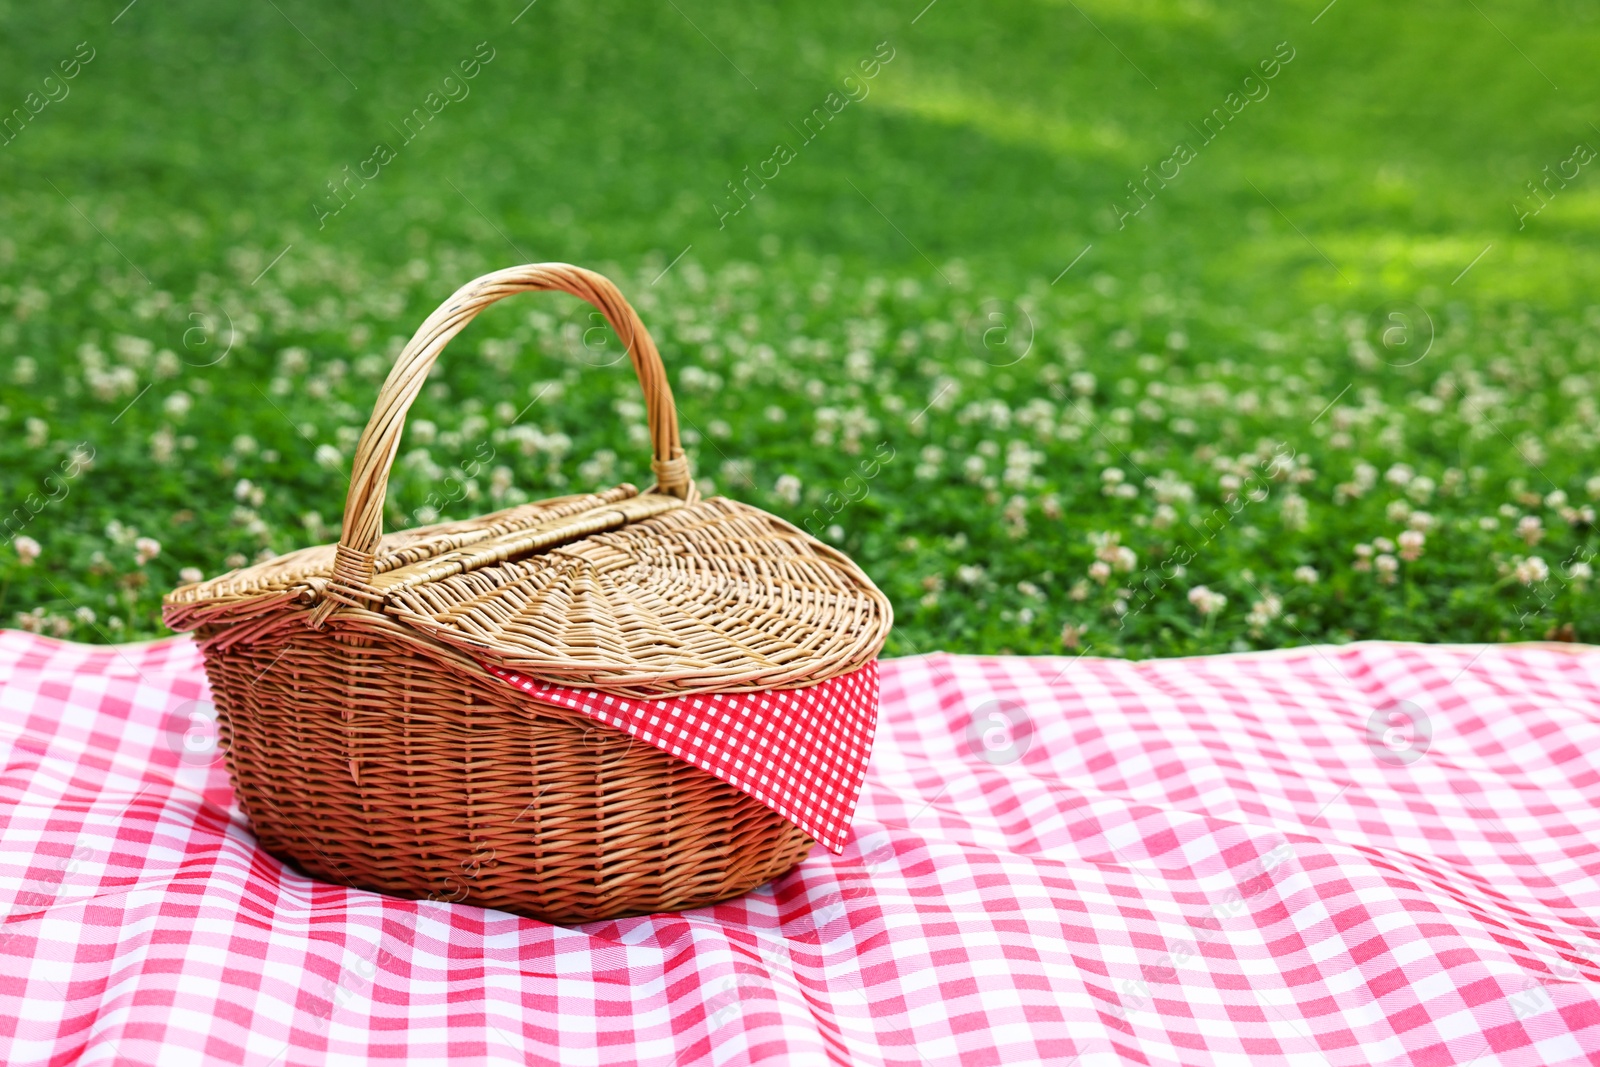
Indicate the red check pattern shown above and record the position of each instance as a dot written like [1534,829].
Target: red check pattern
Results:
[801,752]
[1374,854]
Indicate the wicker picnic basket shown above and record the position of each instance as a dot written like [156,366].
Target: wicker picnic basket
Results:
[369,744]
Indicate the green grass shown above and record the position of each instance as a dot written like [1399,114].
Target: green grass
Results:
[896,291]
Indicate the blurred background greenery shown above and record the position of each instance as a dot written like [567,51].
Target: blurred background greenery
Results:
[999,133]
[1386,159]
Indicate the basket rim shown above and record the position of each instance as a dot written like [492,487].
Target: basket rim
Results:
[852,617]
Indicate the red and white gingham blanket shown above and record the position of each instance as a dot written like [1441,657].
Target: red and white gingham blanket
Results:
[1373,854]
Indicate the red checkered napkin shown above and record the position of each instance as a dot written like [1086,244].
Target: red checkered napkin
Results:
[801,752]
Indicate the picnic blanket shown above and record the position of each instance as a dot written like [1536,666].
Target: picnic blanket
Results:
[1370,854]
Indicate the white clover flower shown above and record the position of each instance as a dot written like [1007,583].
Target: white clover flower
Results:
[1556,499]
[1397,511]
[1100,570]
[163,443]
[1262,612]
[1015,515]
[1113,476]
[190,575]
[1531,570]
[1488,522]
[788,488]
[294,360]
[1387,566]
[1399,474]
[1580,572]
[1411,544]
[328,456]
[178,404]
[1206,601]
[27,550]
[969,574]
[1531,529]
[1421,520]
[500,480]
[1019,468]
[1164,517]
[1306,575]
[146,549]
[1168,488]
[85,615]
[1295,511]
[1124,558]
[1383,544]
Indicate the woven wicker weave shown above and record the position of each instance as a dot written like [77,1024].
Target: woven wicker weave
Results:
[370,744]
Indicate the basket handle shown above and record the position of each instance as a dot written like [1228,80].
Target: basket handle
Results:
[380,441]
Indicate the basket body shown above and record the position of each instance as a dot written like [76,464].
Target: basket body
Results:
[366,759]
[371,742]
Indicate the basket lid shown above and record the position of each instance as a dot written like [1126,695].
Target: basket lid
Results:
[630,593]
[714,595]
[663,596]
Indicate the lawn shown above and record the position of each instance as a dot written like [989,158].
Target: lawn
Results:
[1138,329]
